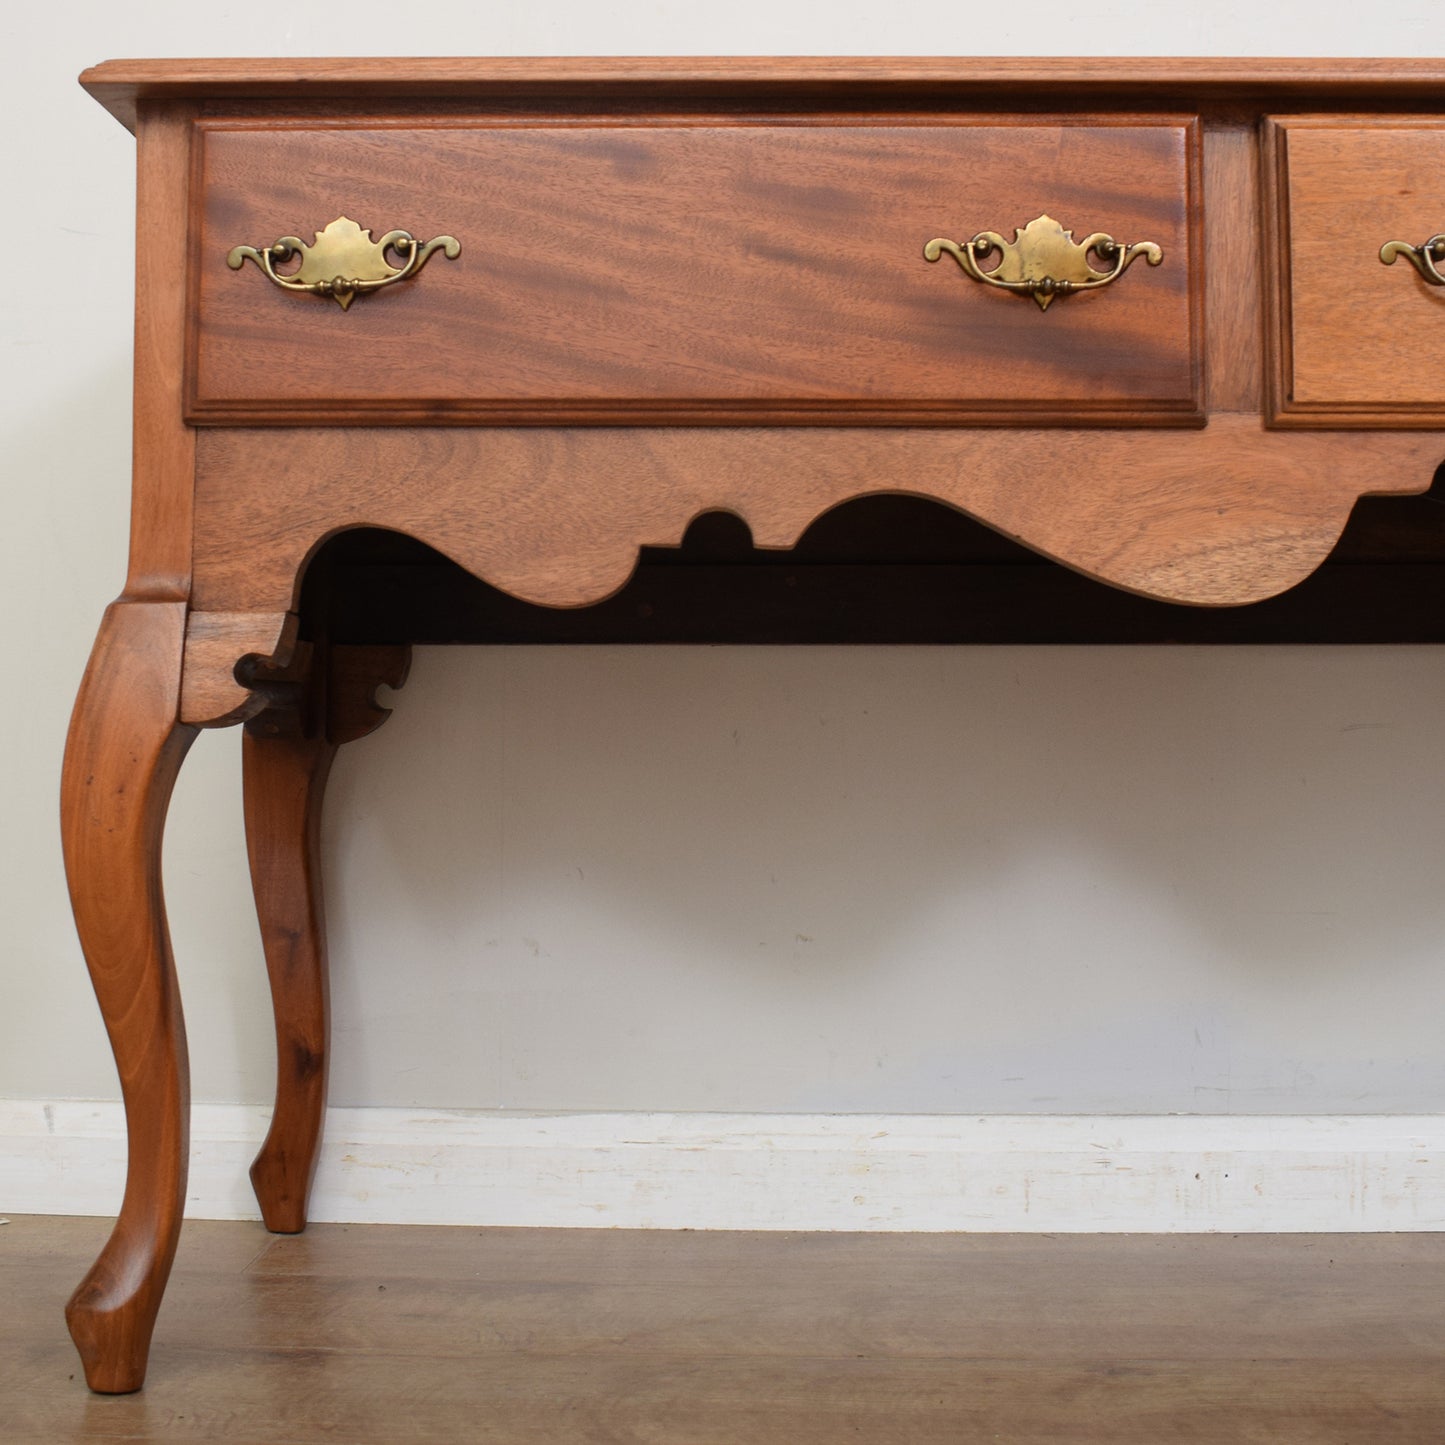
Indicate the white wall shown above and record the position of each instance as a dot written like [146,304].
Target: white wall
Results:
[963,880]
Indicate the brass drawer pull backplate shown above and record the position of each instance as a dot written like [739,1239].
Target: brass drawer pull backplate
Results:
[1043,260]
[344,262]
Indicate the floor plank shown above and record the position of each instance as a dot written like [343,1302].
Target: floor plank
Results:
[388,1334]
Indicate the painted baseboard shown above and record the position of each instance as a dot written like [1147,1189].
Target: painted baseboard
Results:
[754,1171]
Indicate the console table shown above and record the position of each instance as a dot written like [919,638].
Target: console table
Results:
[438,349]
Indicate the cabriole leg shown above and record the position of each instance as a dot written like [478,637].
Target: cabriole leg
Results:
[325,698]
[284,779]
[122,755]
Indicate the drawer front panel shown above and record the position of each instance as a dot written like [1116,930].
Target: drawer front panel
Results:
[697,271]
[1359,343]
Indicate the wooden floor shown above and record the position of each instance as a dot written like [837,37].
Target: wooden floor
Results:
[389,1335]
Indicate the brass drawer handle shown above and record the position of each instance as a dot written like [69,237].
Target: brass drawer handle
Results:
[1043,260]
[345,261]
[1422,258]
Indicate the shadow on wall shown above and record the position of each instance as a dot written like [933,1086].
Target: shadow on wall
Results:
[917,879]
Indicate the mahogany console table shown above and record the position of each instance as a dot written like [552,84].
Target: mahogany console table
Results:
[436,350]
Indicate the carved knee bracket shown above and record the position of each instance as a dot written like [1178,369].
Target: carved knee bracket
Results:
[324,691]
[213,693]
[250,667]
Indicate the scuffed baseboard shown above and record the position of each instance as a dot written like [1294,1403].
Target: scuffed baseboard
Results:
[759,1171]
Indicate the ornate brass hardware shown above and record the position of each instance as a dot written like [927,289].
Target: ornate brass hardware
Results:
[1422,258]
[345,261]
[1043,260]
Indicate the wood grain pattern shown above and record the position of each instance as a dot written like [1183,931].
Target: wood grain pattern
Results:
[738,270]
[1359,343]
[404,1333]
[121,759]
[164,448]
[1231,249]
[1220,517]
[211,693]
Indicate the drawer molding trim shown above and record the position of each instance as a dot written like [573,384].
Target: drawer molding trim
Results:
[1308,383]
[606,300]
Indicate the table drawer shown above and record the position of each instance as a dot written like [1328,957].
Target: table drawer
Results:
[701,270]
[1358,343]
